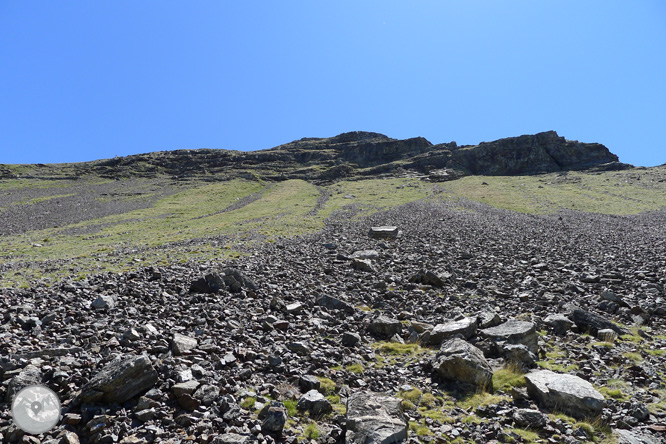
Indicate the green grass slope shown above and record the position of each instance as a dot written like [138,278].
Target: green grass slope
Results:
[230,215]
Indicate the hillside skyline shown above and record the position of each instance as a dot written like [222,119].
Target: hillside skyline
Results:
[86,81]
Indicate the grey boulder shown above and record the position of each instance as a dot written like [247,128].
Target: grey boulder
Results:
[514,332]
[459,360]
[385,327]
[568,393]
[465,327]
[374,418]
[119,381]
[315,403]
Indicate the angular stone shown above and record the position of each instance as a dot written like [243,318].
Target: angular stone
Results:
[487,319]
[363,265]
[299,348]
[607,335]
[295,308]
[230,438]
[309,382]
[120,381]
[458,360]
[384,326]
[184,388]
[350,339]
[519,355]
[30,375]
[559,323]
[564,392]
[465,327]
[530,418]
[331,302]
[315,403]
[365,254]
[427,277]
[590,322]
[513,331]
[374,418]
[104,302]
[274,417]
[181,344]
[383,232]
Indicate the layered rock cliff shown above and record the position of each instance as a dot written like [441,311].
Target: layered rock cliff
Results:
[359,154]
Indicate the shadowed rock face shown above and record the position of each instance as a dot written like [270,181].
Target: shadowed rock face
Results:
[357,154]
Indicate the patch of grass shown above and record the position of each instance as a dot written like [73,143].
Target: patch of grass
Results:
[428,400]
[311,431]
[248,403]
[559,368]
[338,406]
[659,408]
[412,396]
[326,386]
[527,436]
[355,368]
[364,308]
[396,348]
[635,357]
[655,352]
[613,393]
[613,192]
[506,378]
[480,399]
[437,415]
[419,429]
[290,405]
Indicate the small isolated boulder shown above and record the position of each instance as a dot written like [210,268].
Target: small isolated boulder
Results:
[363,265]
[384,326]
[365,254]
[315,403]
[273,417]
[513,331]
[181,344]
[104,302]
[374,418]
[568,393]
[559,323]
[607,335]
[487,319]
[30,375]
[587,321]
[350,339]
[459,360]
[119,381]
[309,382]
[334,303]
[530,418]
[465,327]
[383,232]
[427,277]
[519,355]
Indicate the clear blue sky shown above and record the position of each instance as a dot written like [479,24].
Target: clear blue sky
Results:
[83,80]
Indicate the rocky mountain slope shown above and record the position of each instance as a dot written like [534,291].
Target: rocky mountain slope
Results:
[168,303]
[350,155]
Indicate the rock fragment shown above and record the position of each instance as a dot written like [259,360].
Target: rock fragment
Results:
[374,418]
[568,393]
[458,360]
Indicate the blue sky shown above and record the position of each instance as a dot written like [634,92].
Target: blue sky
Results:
[83,80]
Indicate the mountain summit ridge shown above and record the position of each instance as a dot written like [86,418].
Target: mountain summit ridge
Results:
[354,154]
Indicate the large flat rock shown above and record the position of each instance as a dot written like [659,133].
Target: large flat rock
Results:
[567,393]
[465,327]
[513,331]
[374,418]
[120,381]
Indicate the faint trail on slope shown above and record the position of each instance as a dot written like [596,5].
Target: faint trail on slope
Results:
[324,195]
[240,203]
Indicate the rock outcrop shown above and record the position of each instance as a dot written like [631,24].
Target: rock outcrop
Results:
[354,154]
